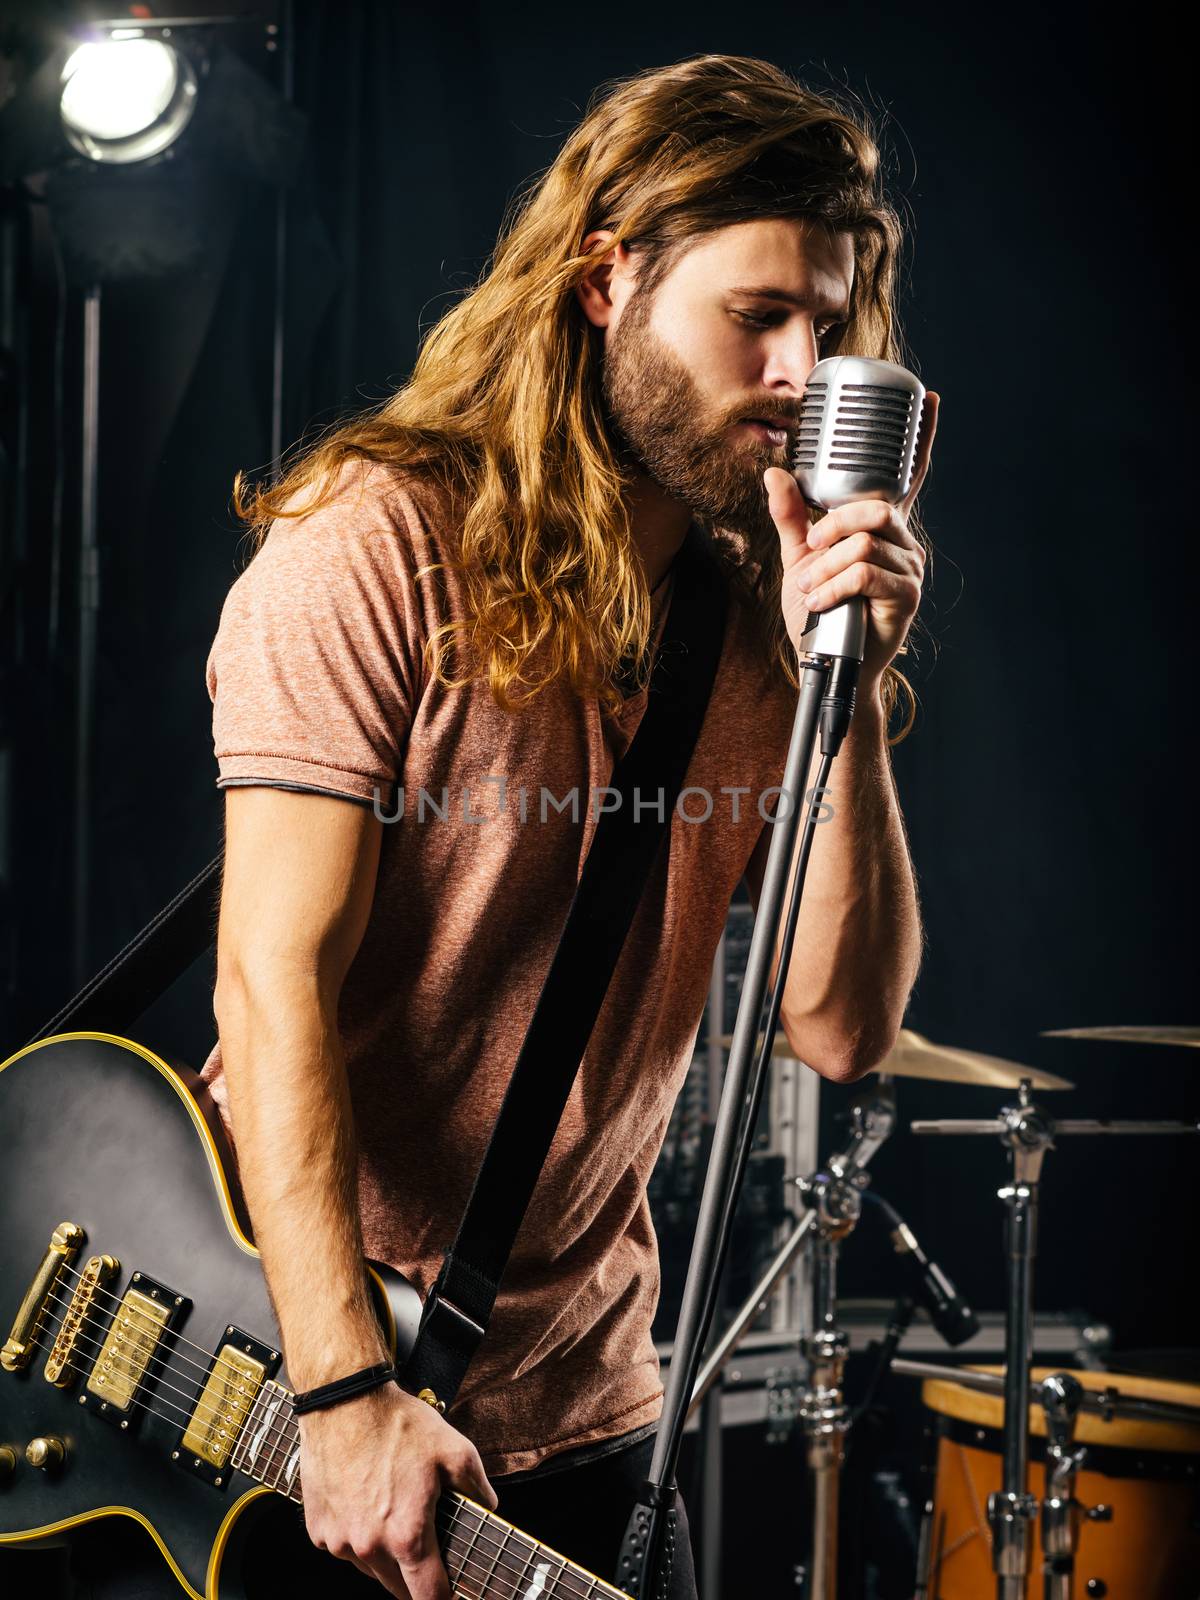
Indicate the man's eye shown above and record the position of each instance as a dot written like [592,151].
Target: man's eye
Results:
[773,320]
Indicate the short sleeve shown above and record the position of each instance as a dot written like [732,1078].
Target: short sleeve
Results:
[317,662]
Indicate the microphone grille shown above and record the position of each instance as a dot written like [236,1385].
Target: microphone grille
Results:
[808,432]
[857,431]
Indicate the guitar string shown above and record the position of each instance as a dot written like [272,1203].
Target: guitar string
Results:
[505,1547]
[271,1436]
[273,1433]
[499,1568]
[280,1429]
[212,1362]
[501,1546]
[277,1431]
[119,1300]
[172,1421]
[568,1571]
[97,1342]
[569,1568]
[515,1581]
[143,1405]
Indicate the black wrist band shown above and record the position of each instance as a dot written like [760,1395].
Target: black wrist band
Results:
[331,1394]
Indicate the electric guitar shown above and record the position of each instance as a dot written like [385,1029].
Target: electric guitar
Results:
[142,1375]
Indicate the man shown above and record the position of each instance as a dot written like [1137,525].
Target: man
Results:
[452,618]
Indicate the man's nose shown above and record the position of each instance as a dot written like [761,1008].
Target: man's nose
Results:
[790,359]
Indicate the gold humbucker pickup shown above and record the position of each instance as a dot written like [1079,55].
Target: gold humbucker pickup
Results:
[241,1369]
[98,1271]
[229,1390]
[131,1344]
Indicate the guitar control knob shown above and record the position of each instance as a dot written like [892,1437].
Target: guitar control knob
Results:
[46,1453]
[8,1462]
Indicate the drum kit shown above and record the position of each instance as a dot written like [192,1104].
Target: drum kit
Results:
[1121,1486]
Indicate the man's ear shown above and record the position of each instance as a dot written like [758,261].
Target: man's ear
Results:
[595,292]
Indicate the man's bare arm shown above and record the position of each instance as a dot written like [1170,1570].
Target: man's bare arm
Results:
[299,880]
[298,884]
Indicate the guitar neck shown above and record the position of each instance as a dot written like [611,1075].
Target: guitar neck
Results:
[486,1557]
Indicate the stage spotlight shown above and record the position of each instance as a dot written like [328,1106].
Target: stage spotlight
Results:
[126,98]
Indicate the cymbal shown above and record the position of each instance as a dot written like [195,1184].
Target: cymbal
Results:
[913,1056]
[1150,1035]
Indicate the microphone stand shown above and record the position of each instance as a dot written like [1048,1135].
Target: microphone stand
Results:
[831,653]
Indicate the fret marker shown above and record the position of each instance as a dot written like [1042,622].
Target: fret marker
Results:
[540,1573]
[268,1421]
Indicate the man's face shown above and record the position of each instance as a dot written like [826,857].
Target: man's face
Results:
[696,372]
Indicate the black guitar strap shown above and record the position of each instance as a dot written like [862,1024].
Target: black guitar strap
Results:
[623,850]
[624,846]
[112,1000]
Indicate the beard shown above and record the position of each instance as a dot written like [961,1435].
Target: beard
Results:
[665,427]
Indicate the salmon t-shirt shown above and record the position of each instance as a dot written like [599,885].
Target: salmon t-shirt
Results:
[318,682]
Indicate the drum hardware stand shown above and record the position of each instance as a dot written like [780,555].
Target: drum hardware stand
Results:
[1028,1132]
[1108,1402]
[872,1118]
[836,1203]
[1062,1514]
[832,1200]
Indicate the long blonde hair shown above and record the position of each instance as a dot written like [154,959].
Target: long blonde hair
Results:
[504,405]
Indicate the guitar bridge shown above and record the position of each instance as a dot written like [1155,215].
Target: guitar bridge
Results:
[98,1271]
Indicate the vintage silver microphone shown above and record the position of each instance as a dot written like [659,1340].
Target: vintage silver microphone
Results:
[860,423]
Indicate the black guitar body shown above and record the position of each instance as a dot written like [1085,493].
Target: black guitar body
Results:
[99,1132]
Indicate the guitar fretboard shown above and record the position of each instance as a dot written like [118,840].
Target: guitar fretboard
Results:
[486,1557]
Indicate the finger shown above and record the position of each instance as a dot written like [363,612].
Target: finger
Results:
[476,1486]
[789,514]
[863,516]
[929,419]
[872,582]
[420,1562]
[426,1579]
[826,564]
[465,1473]
[386,1572]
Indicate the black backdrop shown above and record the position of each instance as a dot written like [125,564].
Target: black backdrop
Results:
[1046,783]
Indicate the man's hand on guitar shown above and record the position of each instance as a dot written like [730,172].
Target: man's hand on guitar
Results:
[373,1471]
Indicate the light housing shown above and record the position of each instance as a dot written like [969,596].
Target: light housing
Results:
[126,97]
